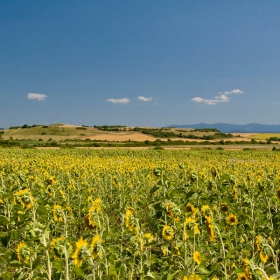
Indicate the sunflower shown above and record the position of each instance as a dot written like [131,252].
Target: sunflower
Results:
[243,276]
[235,194]
[247,268]
[148,238]
[130,218]
[58,214]
[206,210]
[96,205]
[264,258]
[167,232]
[190,224]
[23,253]
[24,198]
[191,209]
[192,277]
[224,207]
[258,242]
[210,229]
[232,220]
[197,257]
[81,253]
[96,248]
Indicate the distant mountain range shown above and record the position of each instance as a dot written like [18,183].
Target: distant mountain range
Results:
[234,128]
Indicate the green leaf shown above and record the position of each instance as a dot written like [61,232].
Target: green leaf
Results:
[78,271]
[6,276]
[3,221]
[170,276]
[202,270]
[58,265]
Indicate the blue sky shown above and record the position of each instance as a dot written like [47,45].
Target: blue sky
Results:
[144,63]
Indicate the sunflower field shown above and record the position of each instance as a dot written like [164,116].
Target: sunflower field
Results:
[142,214]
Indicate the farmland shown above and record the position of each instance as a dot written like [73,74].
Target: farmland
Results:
[70,136]
[139,214]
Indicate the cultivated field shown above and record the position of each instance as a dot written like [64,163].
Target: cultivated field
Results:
[140,214]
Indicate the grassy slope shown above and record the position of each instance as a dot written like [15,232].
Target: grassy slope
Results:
[55,131]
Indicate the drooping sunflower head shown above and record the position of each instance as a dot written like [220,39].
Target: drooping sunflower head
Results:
[191,225]
[24,198]
[206,210]
[23,252]
[210,229]
[130,218]
[264,257]
[258,242]
[58,214]
[197,257]
[243,276]
[148,238]
[167,232]
[96,205]
[224,207]
[232,220]
[81,253]
[96,247]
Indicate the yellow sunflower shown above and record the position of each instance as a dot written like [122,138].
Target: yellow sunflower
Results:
[197,257]
[167,232]
[58,214]
[243,276]
[191,209]
[258,242]
[96,247]
[264,258]
[232,220]
[23,253]
[206,210]
[130,218]
[81,253]
[210,229]
[24,198]
[190,224]
[192,277]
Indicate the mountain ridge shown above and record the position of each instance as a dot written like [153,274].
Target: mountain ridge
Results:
[234,128]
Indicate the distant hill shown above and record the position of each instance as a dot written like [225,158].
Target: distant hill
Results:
[234,128]
[2,128]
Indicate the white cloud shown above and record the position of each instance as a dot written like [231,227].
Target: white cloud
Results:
[121,100]
[221,98]
[38,96]
[235,91]
[142,98]
[198,99]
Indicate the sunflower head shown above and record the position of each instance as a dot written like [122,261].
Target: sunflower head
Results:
[197,257]
[58,214]
[206,210]
[224,207]
[81,253]
[96,247]
[23,252]
[130,218]
[232,220]
[167,232]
